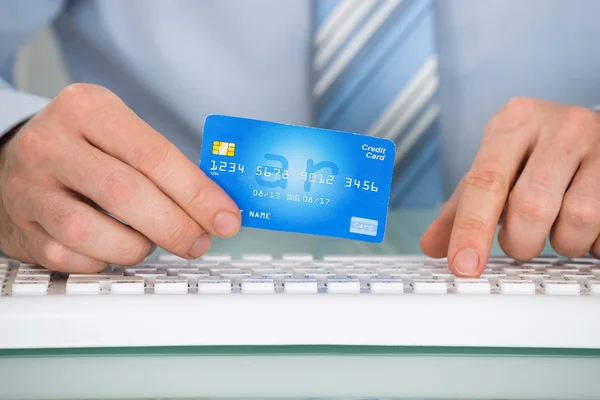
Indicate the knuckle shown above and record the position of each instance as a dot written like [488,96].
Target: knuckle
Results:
[177,236]
[75,94]
[579,119]
[575,126]
[76,227]
[118,188]
[516,112]
[532,204]
[195,196]
[131,252]
[471,223]
[33,143]
[54,255]
[150,159]
[81,97]
[13,189]
[487,178]
[580,211]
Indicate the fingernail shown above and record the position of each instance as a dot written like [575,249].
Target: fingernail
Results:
[226,224]
[199,247]
[466,261]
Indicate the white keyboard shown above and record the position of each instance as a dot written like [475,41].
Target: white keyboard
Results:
[297,300]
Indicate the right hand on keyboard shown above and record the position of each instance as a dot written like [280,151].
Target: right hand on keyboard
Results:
[86,152]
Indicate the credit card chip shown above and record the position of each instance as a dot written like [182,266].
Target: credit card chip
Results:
[223,148]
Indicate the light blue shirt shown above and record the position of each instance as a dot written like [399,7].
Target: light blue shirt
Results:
[174,62]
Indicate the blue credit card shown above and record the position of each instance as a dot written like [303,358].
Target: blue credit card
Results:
[301,179]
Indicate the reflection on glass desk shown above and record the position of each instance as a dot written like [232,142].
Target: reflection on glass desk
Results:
[304,372]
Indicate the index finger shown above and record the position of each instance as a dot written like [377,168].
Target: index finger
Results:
[483,194]
[118,131]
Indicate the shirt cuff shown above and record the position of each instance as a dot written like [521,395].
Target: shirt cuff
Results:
[16,107]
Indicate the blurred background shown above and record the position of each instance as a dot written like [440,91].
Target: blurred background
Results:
[39,67]
[489,51]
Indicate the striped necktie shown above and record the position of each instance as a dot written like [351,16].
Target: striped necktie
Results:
[375,73]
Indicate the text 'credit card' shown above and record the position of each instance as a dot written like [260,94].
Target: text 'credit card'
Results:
[301,179]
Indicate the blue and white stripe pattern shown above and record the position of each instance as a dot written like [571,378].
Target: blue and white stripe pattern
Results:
[376,73]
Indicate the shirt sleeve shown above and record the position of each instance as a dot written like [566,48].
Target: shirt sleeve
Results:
[16,106]
[19,21]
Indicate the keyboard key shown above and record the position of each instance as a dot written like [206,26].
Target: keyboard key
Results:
[516,286]
[127,285]
[579,276]
[263,268]
[38,278]
[366,265]
[78,286]
[342,271]
[386,270]
[285,264]
[258,285]
[501,260]
[561,287]
[407,277]
[493,275]
[130,271]
[245,264]
[216,257]
[442,274]
[174,270]
[584,260]
[342,258]
[257,257]
[235,275]
[343,285]
[171,285]
[362,275]
[551,259]
[150,276]
[299,257]
[222,268]
[300,285]
[214,285]
[319,274]
[386,286]
[518,269]
[277,274]
[171,258]
[34,273]
[192,276]
[537,276]
[560,270]
[202,264]
[104,279]
[417,264]
[537,266]
[430,286]
[594,286]
[29,286]
[472,286]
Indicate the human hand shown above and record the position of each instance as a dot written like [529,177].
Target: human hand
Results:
[537,172]
[86,150]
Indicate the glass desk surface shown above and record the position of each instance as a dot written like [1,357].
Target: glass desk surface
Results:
[304,372]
